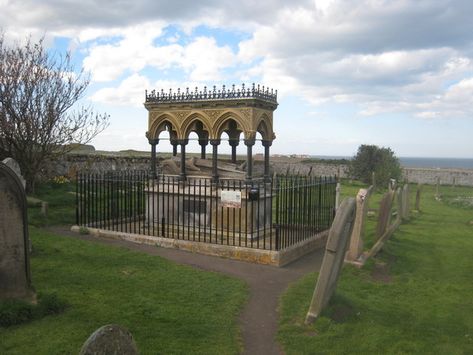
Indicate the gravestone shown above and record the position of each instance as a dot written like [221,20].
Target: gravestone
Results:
[418,193]
[337,195]
[13,165]
[15,279]
[384,214]
[110,339]
[399,206]
[437,189]
[405,202]
[356,240]
[333,258]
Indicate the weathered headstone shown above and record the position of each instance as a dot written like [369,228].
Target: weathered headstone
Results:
[384,214]
[337,195]
[392,185]
[15,278]
[399,206]
[405,202]
[356,240]
[437,189]
[44,208]
[390,228]
[13,164]
[333,258]
[110,339]
[418,193]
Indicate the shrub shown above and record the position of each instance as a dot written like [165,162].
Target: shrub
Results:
[381,161]
[18,311]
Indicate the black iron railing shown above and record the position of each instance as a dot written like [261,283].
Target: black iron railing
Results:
[265,215]
[211,94]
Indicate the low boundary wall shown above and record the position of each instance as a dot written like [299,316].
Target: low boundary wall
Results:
[95,162]
[267,257]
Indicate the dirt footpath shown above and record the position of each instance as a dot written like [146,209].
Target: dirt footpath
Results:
[259,317]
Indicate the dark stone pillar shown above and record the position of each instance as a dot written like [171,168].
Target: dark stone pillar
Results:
[249,159]
[153,143]
[182,175]
[214,143]
[266,145]
[174,148]
[203,143]
[234,144]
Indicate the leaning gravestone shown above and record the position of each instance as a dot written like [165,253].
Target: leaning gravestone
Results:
[384,214]
[356,240]
[110,339]
[405,201]
[333,258]
[15,279]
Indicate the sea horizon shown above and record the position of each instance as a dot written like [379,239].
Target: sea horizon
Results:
[420,162]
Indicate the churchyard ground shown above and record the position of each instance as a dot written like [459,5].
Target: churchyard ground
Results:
[168,308]
[414,298]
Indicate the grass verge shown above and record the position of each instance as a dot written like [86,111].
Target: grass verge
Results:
[61,201]
[169,309]
[424,306]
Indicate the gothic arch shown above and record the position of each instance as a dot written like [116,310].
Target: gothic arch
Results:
[190,122]
[163,123]
[221,123]
[264,127]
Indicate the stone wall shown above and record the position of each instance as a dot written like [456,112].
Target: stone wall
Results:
[99,162]
[460,177]
[96,163]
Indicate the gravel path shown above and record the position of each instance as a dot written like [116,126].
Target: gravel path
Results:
[259,317]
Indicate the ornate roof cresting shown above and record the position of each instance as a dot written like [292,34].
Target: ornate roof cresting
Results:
[255,92]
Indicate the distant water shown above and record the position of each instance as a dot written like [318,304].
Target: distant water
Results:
[452,163]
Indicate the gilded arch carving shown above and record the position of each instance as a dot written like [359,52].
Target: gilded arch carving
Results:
[264,126]
[189,124]
[220,124]
[163,123]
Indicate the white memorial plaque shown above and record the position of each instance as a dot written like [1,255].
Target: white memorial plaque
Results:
[230,198]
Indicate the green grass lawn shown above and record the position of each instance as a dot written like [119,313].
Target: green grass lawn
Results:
[61,201]
[169,309]
[423,304]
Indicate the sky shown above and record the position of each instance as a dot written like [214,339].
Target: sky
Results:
[396,74]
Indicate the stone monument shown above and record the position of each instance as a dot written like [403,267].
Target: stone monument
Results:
[333,258]
[13,164]
[110,339]
[356,240]
[15,277]
[384,214]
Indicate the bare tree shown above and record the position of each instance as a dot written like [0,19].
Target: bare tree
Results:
[40,114]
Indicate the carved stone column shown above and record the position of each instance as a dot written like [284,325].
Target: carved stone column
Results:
[234,144]
[215,143]
[183,143]
[249,159]
[174,148]
[154,143]
[203,143]
[266,145]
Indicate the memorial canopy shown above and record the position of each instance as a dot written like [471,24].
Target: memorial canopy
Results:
[209,113]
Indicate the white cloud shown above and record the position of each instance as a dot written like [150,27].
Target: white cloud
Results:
[205,59]
[130,92]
